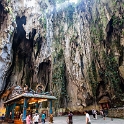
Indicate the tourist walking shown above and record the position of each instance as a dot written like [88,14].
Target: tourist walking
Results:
[36,119]
[88,121]
[3,117]
[70,118]
[94,113]
[51,119]
[21,115]
[43,117]
[28,119]
[104,114]
[10,115]
[101,112]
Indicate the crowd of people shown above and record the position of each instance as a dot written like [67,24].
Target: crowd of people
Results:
[38,118]
[103,113]
[87,116]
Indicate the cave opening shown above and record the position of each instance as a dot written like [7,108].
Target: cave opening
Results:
[101,90]
[44,75]
[23,68]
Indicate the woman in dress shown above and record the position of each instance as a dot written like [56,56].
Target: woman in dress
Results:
[28,119]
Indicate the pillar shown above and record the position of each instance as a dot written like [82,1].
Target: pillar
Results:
[50,111]
[13,108]
[36,105]
[7,111]
[24,109]
[10,111]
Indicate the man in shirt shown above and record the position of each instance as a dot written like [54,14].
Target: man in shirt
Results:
[43,116]
[93,113]
[70,119]
[88,121]
[36,119]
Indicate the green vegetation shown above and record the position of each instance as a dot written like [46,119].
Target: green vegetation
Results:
[111,72]
[58,75]
[104,36]
[60,54]
[96,32]
[59,83]
[92,82]
[117,21]
[43,22]
[93,66]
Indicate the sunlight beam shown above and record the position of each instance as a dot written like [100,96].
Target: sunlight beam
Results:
[73,1]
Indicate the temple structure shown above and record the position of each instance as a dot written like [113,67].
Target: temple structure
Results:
[21,101]
[104,102]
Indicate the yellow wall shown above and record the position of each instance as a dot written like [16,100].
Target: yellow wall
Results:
[2,111]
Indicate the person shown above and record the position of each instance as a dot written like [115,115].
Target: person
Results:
[10,118]
[51,119]
[101,112]
[43,117]
[104,114]
[88,121]
[70,118]
[21,117]
[28,119]
[94,113]
[10,115]
[3,117]
[36,118]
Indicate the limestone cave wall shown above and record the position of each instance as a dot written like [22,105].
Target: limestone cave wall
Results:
[25,49]
[88,41]
[73,50]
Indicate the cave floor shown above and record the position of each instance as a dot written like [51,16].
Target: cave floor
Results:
[81,120]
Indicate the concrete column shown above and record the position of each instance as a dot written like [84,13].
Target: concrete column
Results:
[7,111]
[36,105]
[50,111]
[24,109]
[13,108]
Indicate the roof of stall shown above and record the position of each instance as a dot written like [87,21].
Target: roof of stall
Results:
[104,99]
[31,95]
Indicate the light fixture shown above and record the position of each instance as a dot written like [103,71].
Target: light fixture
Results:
[31,102]
[42,100]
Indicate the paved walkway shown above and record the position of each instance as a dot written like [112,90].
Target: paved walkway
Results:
[81,120]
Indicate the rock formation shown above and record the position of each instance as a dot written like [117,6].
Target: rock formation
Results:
[74,50]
